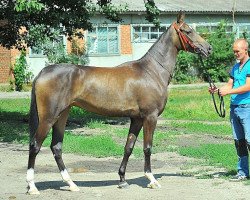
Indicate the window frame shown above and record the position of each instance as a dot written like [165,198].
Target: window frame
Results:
[240,30]
[211,26]
[149,32]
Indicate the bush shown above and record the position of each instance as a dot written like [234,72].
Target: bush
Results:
[220,62]
[185,72]
[20,71]
[56,53]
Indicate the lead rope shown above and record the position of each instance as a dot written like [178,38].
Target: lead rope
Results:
[221,111]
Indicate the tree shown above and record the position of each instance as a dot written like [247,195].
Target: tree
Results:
[72,15]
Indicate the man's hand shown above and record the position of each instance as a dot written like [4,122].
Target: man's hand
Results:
[223,91]
[212,89]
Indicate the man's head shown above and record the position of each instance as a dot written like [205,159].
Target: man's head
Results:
[240,48]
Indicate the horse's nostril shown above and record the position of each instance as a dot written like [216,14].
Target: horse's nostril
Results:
[210,49]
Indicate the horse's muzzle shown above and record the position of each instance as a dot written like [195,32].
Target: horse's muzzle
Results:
[204,51]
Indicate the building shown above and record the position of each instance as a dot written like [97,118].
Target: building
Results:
[110,44]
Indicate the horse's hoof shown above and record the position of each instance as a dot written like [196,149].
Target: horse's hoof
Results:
[33,191]
[123,185]
[74,188]
[154,185]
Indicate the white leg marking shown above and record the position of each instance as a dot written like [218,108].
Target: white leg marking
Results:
[66,178]
[153,182]
[31,184]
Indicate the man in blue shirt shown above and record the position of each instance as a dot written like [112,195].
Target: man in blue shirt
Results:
[238,87]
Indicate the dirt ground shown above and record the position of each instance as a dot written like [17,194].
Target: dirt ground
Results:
[97,178]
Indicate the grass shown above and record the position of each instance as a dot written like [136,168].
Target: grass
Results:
[222,129]
[223,155]
[189,111]
[99,146]
[5,87]
[191,103]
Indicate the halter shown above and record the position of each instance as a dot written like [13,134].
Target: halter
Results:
[183,37]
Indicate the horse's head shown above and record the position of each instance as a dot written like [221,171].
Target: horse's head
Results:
[188,40]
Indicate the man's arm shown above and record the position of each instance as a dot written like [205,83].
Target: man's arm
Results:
[228,89]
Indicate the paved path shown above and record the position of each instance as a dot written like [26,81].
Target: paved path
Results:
[9,95]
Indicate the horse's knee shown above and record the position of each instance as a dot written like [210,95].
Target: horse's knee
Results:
[57,150]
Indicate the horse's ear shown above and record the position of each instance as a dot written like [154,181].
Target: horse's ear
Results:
[180,17]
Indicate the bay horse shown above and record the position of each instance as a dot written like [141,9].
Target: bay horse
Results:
[135,89]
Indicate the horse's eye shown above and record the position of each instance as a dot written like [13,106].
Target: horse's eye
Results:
[187,31]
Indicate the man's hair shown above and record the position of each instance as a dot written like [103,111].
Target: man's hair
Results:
[243,42]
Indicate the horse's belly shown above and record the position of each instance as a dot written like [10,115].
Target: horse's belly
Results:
[109,107]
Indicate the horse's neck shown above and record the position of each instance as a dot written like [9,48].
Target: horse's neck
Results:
[162,55]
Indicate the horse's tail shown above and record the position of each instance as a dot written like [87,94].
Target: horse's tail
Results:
[34,120]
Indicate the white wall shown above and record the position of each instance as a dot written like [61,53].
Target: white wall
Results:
[36,64]
[139,49]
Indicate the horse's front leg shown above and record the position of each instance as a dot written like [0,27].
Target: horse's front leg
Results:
[135,127]
[149,125]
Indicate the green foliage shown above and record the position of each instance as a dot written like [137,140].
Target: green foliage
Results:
[56,53]
[152,13]
[21,73]
[38,35]
[218,64]
[112,12]
[29,6]
[185,71]
[53,48]
[222,58]
[73,15]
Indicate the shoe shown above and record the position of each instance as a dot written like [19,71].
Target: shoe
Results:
[239,178]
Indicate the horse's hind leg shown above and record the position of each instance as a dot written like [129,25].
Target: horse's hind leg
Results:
[56,148]
[34,148]
[149,124]
[135,127]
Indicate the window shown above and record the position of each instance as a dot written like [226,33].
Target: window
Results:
[244,31]
[103,40]
[211,28]
[143,33]
[36,51]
